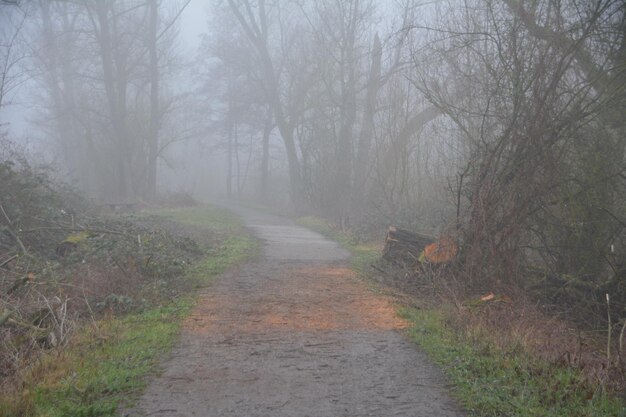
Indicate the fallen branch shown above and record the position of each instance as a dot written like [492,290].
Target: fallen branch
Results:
[28,326]
[5,317]
[12,232]
[18,283]
[8,260]
[78,229]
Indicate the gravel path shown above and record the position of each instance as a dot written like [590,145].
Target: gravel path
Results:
[294,334]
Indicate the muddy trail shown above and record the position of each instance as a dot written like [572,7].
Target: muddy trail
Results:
[294,334]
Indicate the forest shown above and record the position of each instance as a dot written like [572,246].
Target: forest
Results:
[498,126]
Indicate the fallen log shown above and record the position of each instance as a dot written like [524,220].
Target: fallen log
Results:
[409,249]
[405,247]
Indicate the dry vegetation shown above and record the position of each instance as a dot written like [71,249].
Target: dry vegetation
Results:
[63,263]
[513,320]
[500,124]
[537,355]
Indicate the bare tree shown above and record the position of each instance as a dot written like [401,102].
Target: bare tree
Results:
[12,52]
[531,105]
[103,69]
[255,22]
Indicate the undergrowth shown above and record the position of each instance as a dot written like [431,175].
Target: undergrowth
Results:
[490,381]
[108,357]
[234,243]
[489,378]
[103,364]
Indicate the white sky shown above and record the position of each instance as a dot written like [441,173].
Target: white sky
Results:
[194,21]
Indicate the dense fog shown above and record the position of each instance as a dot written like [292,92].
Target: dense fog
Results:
[499,122]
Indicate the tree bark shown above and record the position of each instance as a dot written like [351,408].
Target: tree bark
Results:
[265,158]
[153,133]
[367,130]
[115,87]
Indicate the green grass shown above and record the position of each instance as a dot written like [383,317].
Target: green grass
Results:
[210,217]
[487,381]
[491,382]
[236,244]
[107,363]
[101,367]
[363,254]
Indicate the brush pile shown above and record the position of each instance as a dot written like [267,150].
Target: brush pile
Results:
[62,262]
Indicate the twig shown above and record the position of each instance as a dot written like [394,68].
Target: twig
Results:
[608,342]
[5,317]
[163,410]
[17,284]
[621,338]
[92,315]
[29,326]
[77,229]
[8,260]
[121,268]
[12,232]
[276,407]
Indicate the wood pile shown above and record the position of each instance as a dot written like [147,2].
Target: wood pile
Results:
[404,247]
[409,249]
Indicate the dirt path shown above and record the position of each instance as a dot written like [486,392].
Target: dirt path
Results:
[294,334]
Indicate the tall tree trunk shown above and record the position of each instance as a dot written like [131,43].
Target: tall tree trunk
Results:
[286,130]
[153,134]
[76,136]
[265,158]
[295,179]
[347,113]
[367,132]
[115,89]
[257,35]
[343,156]
[229,175]
[237,162]
[63,94]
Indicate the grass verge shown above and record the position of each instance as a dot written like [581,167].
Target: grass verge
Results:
[236,244]
[363,254]
[106,362]
[488,380]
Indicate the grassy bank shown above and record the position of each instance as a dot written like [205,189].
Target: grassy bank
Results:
[488,380]
[491,381]
[107,360]
[234,244]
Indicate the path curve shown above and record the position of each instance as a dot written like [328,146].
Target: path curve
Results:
[294,334]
